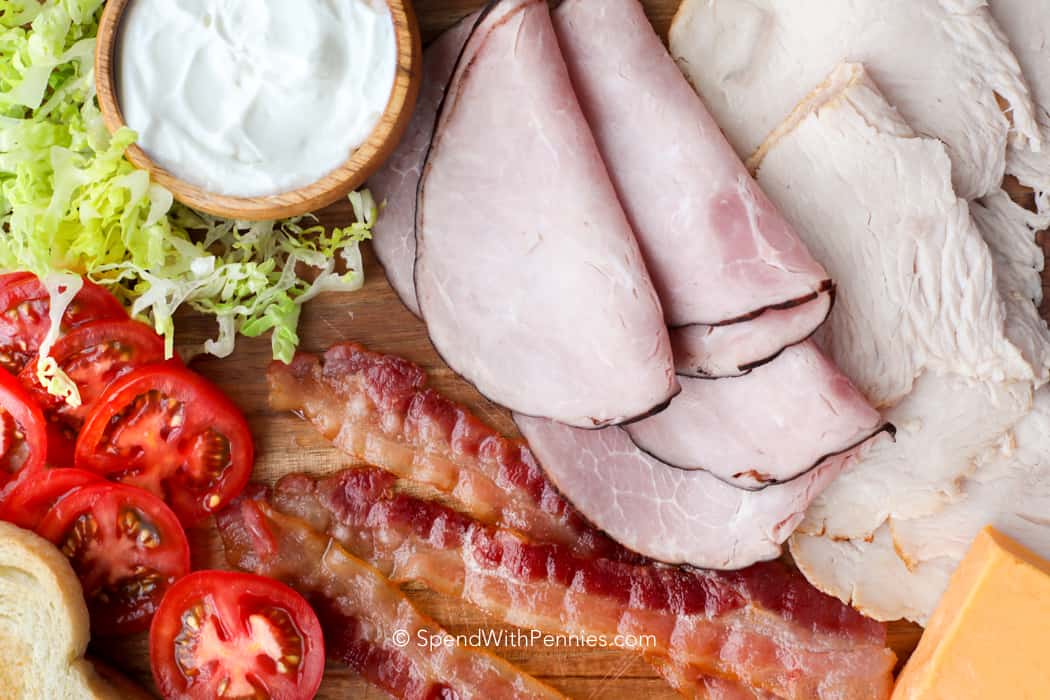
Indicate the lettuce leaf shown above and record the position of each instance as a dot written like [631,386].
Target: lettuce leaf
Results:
[71,204]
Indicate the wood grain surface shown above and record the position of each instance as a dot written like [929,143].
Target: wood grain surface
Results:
[285,444]
[360,164]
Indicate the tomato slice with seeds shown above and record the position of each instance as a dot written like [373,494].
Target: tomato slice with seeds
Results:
[24,320]
[23,436]
[220,634]
[34,494]
[170,431]
[127,548]
[93,356]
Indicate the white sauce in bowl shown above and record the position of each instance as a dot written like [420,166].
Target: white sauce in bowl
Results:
[251,98]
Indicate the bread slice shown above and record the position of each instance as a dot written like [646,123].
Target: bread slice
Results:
[44,627]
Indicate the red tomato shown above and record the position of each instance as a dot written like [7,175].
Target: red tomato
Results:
[12,277]
[34,494]
[24,321]
[23,436]
[93,356]
[170,431]
[127,548]
[220,634]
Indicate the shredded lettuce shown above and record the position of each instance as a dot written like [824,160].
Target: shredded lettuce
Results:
[71,204]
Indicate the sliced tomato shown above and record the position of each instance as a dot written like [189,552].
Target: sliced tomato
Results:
[34,494]
[23,436]
[127,548]
[170,431]
[93,356]
[24,320]
[220,634]
[12,277]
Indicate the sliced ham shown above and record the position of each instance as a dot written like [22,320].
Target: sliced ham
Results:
[737,348]
[768,427]
[527,272]
[360,611]
[668,514]
[718,251]
[944,63]
[396,183]
[763,626]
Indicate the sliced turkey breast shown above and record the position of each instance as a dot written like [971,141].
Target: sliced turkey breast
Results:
[527,272]
[668,514]
[394,233]
[921,325]
[717,249]
[917,285]
[903,570]
[870,576]
[1026,24]
[768,427]
[943,427]
[943,63]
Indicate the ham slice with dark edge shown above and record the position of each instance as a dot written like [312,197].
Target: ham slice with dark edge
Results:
[378,409]
[763,626]
[719,252]
[396,183]
[527,272]
[731,350]
[671,515]
[768,427]
[360,610]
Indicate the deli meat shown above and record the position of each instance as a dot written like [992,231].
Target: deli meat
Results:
[1026,24]
[378,409]
[768,427]
[763,626]
[718,251]
[671,515]
[557,316]
[926,323]
[945,64]
[360,610]
[394,233]
[737,348]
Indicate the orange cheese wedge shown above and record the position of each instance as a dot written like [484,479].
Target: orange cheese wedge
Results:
[990,635]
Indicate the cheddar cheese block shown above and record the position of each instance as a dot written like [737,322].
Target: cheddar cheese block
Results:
[991,631]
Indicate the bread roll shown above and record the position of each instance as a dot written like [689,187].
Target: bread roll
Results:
[44,627]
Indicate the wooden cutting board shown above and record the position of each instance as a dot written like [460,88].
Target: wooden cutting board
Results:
[375,317]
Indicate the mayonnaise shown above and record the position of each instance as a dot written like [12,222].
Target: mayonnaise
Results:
[254,97]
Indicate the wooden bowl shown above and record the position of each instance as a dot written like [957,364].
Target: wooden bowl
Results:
[360,165]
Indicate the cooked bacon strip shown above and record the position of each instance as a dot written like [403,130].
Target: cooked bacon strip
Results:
[691,683]
[360,610]
[378,409]
[763,626]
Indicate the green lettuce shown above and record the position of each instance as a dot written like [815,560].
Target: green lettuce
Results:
[71,204]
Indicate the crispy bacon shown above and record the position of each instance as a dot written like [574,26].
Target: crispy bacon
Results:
[763,626]
[694,684]
[379,410]
[360,611]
